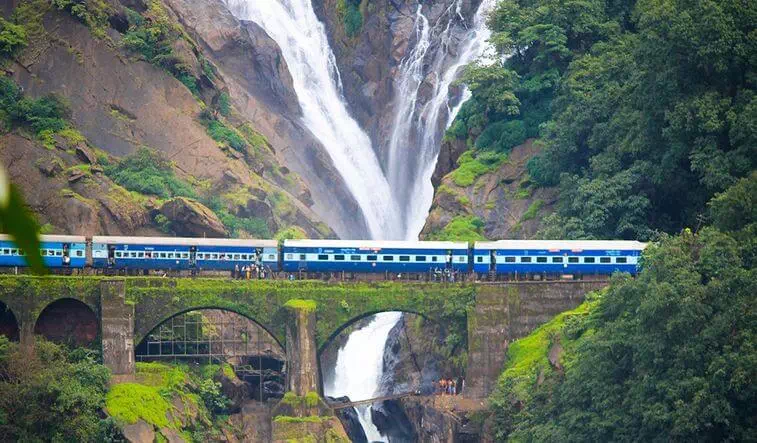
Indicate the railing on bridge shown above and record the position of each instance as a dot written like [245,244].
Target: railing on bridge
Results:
[350,404]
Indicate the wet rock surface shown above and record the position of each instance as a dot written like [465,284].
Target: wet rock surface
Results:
[390,419]
[350,421]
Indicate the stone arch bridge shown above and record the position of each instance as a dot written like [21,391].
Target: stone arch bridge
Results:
[303,316]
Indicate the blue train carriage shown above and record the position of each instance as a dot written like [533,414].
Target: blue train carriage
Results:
[373,256]
[175,253]
[58,251]
[557,256]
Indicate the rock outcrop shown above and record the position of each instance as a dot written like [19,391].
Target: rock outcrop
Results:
[92,204]
[503,199]
[190,218]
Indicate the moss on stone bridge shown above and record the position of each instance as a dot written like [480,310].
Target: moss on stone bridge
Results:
[336,304]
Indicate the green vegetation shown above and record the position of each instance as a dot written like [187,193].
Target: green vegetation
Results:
[152,35]
[473,164]
[159,387]
[148,173]
[93,13]
[221,133]
[54,394]
[43,116]
[667,355]
[291,233]
[309,419]
[309,400]
[131,402]
[532,210]
[301,305]
[645,108]
[461,228]
[352,19]
[12,38]
[250,227]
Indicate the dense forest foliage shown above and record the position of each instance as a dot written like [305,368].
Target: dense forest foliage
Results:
[668,356]
[53,394]
[645,108]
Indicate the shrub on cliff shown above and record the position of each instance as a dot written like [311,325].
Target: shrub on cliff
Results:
[12,38]
[147,172]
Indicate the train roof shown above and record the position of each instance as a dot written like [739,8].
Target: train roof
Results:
[184,241]
[375,244]
[52,238]
[562,244]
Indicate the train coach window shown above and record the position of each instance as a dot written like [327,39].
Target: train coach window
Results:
[355,257]
[605,260]
[572,259]
[556,259]
[388,258]
[289,256]
[141,255]
[214,256]
[420,258]
[525,259]
[509,259]
[148,254]
[372,258]
[541,259]
[404,258]
[302,257]
[621,260]
[236,256]
[323,257]
[434,258]
[6,251]
[79,253]
[118,254]
[162,255]
[133,255]
[589,260]
[43,252]
[271,256]
[339,257]
[479,259]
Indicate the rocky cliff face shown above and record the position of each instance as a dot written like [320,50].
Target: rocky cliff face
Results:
[120,100]
[501,200]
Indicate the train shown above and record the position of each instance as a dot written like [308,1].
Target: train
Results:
[362,257]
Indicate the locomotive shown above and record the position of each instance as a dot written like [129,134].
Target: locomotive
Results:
[503,257]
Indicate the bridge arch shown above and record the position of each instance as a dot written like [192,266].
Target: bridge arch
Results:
[8,323]
[331,337]
[142,334]
[68,320]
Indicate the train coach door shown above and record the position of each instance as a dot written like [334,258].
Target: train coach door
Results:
[111,255]
[493,261]
[192,256]
[66,254]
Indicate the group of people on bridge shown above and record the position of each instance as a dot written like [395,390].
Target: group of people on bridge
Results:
[247,272]
[450,386]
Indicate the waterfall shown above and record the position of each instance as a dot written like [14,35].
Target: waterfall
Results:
[418,127]
[304,44]
[359,367]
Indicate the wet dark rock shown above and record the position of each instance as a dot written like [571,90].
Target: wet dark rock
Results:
[390,419]
[350,421]
[50,166]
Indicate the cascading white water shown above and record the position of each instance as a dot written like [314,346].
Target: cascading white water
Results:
[417,130]
[304,44]
[359,367]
